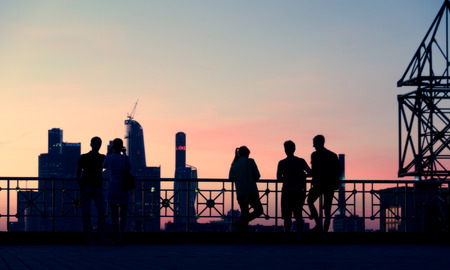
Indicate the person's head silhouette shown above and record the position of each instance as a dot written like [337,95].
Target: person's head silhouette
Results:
[244,151]
[96,143]
[319,142]
[117,145]
[289,148]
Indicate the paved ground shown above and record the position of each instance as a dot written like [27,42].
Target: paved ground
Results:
[226,256]
[224,251]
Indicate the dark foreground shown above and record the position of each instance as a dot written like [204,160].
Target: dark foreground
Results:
[225,251]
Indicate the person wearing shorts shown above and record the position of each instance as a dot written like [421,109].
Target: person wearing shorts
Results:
[292,172]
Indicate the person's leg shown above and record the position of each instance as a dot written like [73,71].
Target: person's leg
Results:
[328,200]
[287,224]
[255,203]
[115,222]
[99,200]
[123,219]
[313,195]
[298,210]
[243,221]
[85,205]
[286,211]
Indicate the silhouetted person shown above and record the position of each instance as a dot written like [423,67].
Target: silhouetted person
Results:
[118,197]
[292,171]
[90,180]
[325,168]
[244,173]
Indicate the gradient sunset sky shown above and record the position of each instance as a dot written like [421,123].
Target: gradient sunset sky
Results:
[227,73]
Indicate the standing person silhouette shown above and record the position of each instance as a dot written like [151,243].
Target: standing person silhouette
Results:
[90,180]
[118,197]
[325,169]
[292,172]
[244,173]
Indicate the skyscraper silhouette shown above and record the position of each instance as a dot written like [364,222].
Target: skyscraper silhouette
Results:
[55,139]
[185,194]
[61,159]
[135,143]
[146,201]
[180,150]
[57,193]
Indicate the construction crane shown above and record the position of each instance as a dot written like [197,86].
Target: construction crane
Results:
[131,115]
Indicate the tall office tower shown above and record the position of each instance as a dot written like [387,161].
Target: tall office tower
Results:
[55,139]
[146,201]
[58,194]
[185,195]
[61,159]
[51,163]
[135,143]
[180,150]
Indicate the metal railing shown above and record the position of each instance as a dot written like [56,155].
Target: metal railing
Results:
[43,204]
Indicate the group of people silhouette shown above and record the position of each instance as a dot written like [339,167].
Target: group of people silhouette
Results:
[90,179]
[292,171]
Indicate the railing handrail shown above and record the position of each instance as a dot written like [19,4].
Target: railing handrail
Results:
[308,180]
[366,200]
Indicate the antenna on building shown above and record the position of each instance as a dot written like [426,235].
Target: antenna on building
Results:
[131,115]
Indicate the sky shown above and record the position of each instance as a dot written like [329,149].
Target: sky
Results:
[227,73]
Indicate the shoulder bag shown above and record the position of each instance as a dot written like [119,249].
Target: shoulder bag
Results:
[129,182]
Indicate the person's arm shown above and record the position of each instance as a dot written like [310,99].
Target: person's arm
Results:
[312,164]
[255,171]
[79,169]
[103,161]
[231,174]
[106,163]
[307,169]
[279,172]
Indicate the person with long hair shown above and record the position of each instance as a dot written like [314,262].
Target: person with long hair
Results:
[244,173]
[117,162]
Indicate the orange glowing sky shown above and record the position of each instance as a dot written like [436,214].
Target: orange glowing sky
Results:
[227,73]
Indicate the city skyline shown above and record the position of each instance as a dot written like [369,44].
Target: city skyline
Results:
[228,74]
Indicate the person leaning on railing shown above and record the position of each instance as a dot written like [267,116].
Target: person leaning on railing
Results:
[244,173]
[292,172]
[326,170]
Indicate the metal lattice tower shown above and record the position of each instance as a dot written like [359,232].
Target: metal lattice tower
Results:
[424,114]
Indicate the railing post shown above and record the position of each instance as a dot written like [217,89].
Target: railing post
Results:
[143,204]
[405,218]
[321,210]
[276,207]
[7,204]
[188,191]
[414,218]
[232,206]
[364,205]
[53,205]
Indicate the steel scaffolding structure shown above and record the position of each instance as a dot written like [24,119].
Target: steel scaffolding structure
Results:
[424,114]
